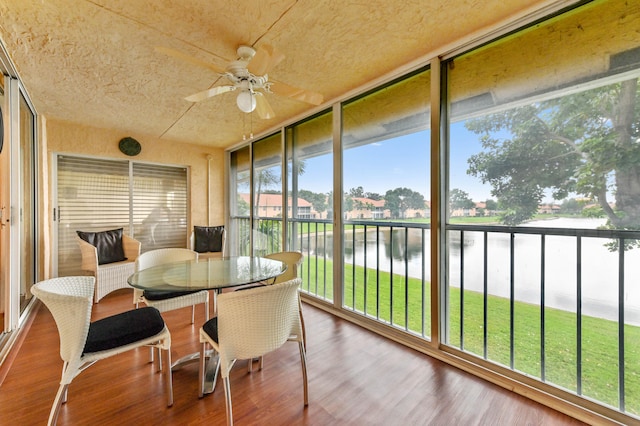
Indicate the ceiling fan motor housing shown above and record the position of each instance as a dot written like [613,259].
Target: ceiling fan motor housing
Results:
[246,53]
[248,75]
[238,68]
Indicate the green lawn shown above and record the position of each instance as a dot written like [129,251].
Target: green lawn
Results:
[599,336]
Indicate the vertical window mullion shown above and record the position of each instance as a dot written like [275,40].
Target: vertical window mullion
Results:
[512,296]
[461,300]
[621,363]
[579,315]
[542,306]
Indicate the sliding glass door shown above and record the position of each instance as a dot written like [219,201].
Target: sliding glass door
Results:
[148,201]
[17,203]
[26,202]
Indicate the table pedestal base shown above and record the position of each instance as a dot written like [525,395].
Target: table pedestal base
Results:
[211,368]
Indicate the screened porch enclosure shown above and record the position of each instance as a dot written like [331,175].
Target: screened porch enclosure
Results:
[538,205]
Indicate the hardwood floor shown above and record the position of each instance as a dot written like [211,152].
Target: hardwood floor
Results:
[355,378]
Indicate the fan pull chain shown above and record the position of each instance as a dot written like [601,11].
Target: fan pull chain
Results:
[244,126]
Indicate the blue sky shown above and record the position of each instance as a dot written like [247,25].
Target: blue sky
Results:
[398,162]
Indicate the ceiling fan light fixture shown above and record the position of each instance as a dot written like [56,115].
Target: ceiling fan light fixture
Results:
[246,101]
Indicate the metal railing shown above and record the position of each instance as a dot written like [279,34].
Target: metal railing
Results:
[266,238]
[583,277]
[313,238]
[494,275]
[387,273]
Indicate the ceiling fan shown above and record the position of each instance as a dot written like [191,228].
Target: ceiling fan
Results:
[248,75]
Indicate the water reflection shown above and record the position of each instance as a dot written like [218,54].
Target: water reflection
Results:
[385,249]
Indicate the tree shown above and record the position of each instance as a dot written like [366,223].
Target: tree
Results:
[400,199]
[266,179]
[373,196]
[570,206]
[317,200]
[585,143]
[269,180]
[362,205]
[347,201]
[357,192]
[459,199]
[242,207]
[491,205]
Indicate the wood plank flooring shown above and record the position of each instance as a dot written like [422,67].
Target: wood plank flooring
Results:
[355,378]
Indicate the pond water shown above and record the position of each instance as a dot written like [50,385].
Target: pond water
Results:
[598,270]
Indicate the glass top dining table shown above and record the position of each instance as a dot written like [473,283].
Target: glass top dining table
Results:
[207,274]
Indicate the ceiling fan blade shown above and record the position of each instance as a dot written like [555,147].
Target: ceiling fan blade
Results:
[264,60]
[308,96]
[206,94]
[188,58]
[262,106]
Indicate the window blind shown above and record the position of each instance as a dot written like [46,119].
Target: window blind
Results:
[159,206]
[149,201]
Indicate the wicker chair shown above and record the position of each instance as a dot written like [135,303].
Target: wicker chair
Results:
[111,276]
[82,343]
[165,301]
[213,233]
[250,324]
[293,259]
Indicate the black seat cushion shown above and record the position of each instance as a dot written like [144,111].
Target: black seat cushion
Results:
[211,328]
[123,329]
[208,238]
[164,295]
[107,243]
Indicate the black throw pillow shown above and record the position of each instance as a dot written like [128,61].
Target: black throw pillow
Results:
[208,238]
[108,244]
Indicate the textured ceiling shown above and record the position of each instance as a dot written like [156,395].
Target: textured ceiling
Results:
[95,63]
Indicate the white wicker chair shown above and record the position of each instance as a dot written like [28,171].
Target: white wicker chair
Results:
[250,324]
[82,342]
[174,300]
[111,276]
[293,259]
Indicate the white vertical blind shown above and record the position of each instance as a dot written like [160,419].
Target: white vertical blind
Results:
[148,201]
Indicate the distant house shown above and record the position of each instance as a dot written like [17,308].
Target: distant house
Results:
[366,208]
[419,213]
[270,205]
[482,210]
[548,208]
[479,209]
[463,212]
